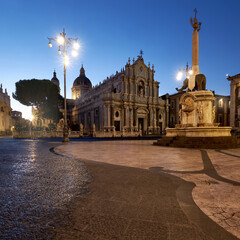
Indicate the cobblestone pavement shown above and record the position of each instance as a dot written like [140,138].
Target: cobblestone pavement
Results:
[137,192]
[36,187]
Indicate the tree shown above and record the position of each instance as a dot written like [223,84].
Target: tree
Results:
[41,94]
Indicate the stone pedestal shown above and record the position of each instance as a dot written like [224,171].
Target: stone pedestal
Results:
[196,115]
[197,109]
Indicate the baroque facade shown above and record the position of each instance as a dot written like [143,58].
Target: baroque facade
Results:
[5,112]
[125,104]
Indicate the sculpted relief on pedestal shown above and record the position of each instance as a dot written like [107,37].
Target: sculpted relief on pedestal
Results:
[200,112]
[188,105]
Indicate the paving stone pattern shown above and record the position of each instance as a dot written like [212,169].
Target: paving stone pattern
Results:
[35,188]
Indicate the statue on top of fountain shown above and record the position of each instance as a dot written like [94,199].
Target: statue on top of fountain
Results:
[200,83]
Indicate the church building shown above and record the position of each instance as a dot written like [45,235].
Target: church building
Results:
[125,104]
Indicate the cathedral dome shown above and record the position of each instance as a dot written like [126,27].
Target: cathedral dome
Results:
[55,80]
[82,80]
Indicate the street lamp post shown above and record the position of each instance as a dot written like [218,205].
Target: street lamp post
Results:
[64,43]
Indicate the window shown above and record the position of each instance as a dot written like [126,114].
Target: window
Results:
[117,114]
[160,116]
[220,103]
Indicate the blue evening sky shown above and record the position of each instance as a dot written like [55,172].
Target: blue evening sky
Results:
[112,31]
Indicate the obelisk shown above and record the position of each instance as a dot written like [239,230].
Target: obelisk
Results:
[195,43]
[195,48]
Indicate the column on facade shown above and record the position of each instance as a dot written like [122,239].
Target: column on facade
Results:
[122,117]
[151,117]
[150,90]
[92,119]
[108,115]
[105,115]
[135,117]
[129,86]
[112,115]
[154,118]
[157,117]
[85,120]
[131,118]
[126,86]
[127,116]
[101,117]
[233,104]
[167,113]
[123,87]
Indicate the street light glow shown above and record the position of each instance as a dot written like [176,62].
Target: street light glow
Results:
[179,76]
[74,53]
[76,45]
[66,60]
[50,44]
[60,40]
[31,118]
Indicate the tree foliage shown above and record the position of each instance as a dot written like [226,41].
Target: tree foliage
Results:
[41,94]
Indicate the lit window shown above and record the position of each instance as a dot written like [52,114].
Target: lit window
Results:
[220,103]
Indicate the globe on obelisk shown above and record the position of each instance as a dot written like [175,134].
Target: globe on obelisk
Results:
[195,50]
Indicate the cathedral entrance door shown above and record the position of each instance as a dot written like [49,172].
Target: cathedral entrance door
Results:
[117,125]
[140,122]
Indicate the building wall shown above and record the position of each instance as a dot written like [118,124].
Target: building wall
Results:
[234,101]
[126,102]
[5,111]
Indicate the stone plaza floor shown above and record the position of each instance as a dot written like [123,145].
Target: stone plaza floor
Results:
[205,183]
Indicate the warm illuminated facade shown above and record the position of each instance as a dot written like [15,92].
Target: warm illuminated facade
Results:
[5,112]
[125,104]
[234,100]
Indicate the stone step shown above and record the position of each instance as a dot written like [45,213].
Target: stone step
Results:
[200,142]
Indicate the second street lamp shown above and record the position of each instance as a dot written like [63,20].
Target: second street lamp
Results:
[63,44]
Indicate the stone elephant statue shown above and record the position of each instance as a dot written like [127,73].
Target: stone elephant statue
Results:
[184,86]
[200,82]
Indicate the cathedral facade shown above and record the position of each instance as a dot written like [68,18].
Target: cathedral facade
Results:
[125,104]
